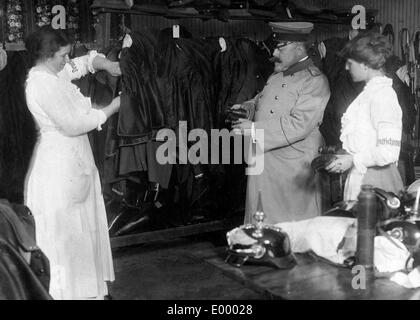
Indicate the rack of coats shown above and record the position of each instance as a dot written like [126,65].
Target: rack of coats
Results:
[166,80]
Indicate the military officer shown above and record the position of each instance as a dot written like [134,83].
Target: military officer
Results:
[289,110]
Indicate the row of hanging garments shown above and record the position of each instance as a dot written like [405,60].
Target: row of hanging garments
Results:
[167,80]
[18,131]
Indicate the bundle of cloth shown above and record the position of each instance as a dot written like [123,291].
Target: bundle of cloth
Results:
[24,268]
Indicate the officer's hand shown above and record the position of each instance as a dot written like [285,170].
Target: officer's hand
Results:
[242,126]
[343,163]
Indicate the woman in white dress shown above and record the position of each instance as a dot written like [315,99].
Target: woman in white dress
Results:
[62,186]
[372,125]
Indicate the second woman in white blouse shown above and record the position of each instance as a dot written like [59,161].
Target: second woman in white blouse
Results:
[372,125]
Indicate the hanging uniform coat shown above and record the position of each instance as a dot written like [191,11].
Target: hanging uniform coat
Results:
[289,110]
[18,131]
[343,90]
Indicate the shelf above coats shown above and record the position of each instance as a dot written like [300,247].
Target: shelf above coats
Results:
[282,12]
[172,15]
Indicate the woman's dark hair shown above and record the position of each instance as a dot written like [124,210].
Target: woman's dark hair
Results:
[44,43]
[372,49]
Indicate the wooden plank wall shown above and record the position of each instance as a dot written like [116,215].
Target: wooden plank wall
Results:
[400,13]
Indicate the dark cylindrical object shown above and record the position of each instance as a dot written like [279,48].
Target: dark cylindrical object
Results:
[366,227]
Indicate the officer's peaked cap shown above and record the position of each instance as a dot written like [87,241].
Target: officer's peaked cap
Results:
[291,31]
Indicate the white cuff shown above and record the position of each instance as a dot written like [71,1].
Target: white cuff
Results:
[253,134]
[92,55]
[358,163]
[3,59]
[101,119]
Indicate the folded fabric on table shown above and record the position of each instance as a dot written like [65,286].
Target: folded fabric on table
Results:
[390,255]
[332,238]
[335,239]
[409,281]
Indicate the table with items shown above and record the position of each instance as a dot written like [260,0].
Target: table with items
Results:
[311,279]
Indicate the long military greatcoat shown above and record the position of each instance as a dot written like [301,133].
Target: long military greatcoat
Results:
[290,111]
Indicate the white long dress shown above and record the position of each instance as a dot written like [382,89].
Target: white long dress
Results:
[62,187]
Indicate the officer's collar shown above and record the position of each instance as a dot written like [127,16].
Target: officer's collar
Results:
[299,66]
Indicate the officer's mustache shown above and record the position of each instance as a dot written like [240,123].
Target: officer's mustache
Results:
[274,60]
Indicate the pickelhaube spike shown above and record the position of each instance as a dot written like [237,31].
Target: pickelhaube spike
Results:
[259,217]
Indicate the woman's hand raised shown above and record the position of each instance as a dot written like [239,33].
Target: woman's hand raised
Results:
[113,68]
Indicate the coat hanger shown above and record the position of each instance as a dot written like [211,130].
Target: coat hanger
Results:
[176,31]
[123,27]
[223,44]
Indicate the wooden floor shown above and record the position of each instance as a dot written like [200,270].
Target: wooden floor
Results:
[170,270]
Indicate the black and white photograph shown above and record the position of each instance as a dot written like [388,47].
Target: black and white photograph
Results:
[209,155]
